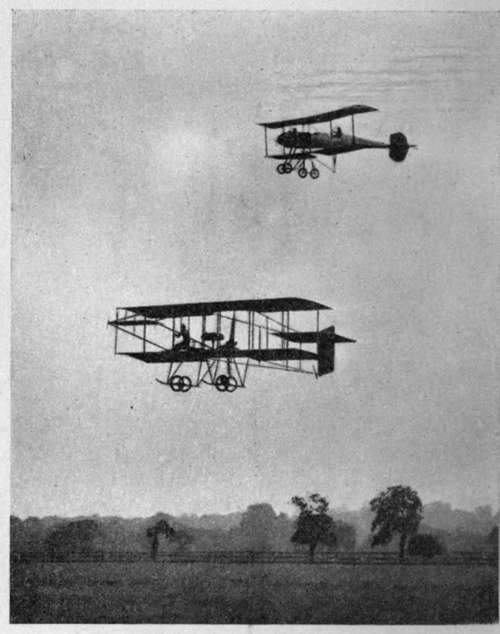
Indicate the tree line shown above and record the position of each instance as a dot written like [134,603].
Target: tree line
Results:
[395,516]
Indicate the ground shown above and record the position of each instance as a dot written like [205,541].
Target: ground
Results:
[145,592]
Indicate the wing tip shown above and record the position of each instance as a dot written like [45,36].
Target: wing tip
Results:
[311,302]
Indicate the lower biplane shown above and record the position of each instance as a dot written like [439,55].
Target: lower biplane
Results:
[301,147]
[221,340]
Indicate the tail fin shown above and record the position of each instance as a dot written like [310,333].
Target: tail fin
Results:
[326,354]
[326,349]
[398,147]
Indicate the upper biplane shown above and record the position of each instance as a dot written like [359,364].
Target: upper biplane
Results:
[222,340]
[300,146]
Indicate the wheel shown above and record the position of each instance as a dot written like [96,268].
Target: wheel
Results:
[176,383]
[186,384]
[221,383]
[314,173]
[280,168]
[302,172]
[231,384]
[288,168]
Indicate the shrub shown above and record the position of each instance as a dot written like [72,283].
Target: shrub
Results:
[425,545]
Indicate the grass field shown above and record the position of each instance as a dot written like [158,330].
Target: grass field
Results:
[145,592]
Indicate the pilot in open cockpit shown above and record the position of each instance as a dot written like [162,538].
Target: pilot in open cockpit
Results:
[184,333]
[338,132]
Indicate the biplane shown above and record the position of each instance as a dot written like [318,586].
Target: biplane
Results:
[219,341]
[302,146]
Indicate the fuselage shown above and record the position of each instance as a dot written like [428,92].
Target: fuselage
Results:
[324,143]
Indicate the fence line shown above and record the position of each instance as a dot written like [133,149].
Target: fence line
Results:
[474,558]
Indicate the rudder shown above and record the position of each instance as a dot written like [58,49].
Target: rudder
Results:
[326,354]
[398,147]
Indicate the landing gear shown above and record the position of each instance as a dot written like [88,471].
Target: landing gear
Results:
[300,166]
[302,170]
[284,168]
[224,383]
[180,383]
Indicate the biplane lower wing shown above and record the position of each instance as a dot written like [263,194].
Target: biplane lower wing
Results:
[295,156]
[197,355]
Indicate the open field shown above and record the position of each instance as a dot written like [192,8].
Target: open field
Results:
[145,592]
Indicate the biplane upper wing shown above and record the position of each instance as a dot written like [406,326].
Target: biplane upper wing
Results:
[281,304]
[320,118]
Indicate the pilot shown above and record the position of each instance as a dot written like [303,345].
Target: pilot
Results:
[338,132]
[184,333]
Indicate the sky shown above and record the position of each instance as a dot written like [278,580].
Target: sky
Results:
[138,178]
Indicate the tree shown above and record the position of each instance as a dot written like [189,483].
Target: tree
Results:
[257,527]
[313,525]
[346,535]
[492,539]
[182,539]
[424,545]
[162,527]
[398,509]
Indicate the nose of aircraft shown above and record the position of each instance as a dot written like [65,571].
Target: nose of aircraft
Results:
[280,138]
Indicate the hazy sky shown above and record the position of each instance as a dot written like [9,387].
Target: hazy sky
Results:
[138,178]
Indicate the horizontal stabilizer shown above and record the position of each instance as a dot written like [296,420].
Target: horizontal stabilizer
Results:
[340,339]
[313,336]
